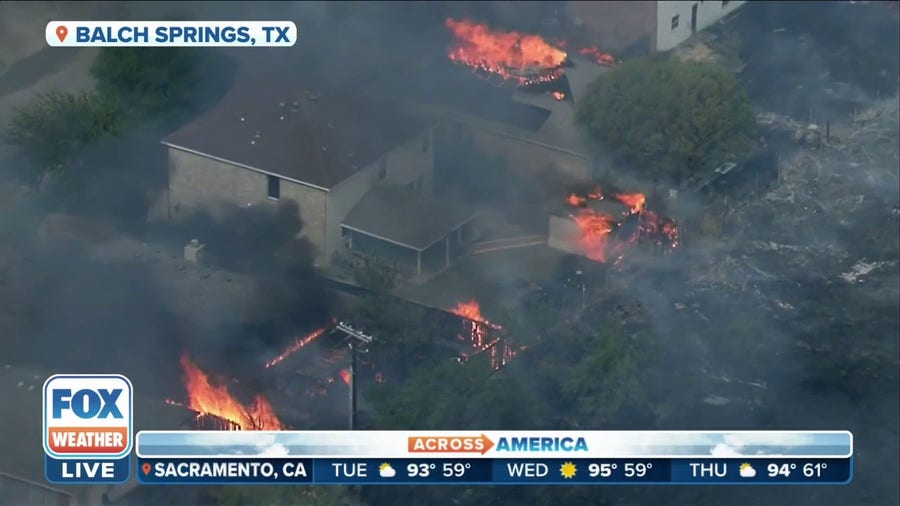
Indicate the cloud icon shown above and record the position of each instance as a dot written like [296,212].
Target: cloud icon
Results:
[747,470]
[386,471]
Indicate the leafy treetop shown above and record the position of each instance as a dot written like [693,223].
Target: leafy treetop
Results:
[669,119]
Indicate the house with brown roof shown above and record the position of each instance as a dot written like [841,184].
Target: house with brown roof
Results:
[359,170]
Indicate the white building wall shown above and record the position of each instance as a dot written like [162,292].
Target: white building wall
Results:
[670,33]
[673,24]
[710,12]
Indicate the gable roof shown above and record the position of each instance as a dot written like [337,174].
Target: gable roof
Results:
[275,125]
[406,217]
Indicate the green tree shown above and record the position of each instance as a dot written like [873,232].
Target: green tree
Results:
[375,274]
[669,119]
[55,126]
[405,333]
[150,80]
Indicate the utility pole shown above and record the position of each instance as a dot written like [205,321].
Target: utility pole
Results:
[580,275]
[356,338]
[352,386]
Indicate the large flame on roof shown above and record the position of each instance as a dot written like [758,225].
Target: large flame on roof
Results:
[208,398]
[520,57]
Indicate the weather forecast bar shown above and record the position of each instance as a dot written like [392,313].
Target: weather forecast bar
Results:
[492,457]
[496,444]
[493,444]
[481,471]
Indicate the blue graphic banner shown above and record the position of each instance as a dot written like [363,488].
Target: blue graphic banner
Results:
[392,471]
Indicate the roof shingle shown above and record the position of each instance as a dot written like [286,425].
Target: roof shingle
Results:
[277,126]
[406,217]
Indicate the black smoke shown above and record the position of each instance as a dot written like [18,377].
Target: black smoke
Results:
[88,300]
[289,296]
[83,315]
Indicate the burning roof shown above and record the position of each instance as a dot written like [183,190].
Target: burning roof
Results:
[522,58]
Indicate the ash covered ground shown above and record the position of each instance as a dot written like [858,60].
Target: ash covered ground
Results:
[809,266]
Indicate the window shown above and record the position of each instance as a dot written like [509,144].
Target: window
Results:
[274,188]
[425,143]
[382,168]
[674,21]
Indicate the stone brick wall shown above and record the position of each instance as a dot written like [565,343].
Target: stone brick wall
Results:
[200,183]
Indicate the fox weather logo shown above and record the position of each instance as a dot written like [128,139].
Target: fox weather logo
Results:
[87,416]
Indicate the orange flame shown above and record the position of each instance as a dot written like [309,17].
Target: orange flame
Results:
[296,345]
[635,201]
[558,96]
[576,200]
[207,398]
[470,309]
[345,376]
[599,57]
[477,328]
[595,194]
[515,56]
[501,349]
[595,227]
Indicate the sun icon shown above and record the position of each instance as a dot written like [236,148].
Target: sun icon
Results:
[568,470]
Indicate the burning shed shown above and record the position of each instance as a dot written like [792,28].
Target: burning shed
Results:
[603,226]
[582,226]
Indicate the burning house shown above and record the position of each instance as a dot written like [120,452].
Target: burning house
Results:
[271,139]
[540,77]
[510,95]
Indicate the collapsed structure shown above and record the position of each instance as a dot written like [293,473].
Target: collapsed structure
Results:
[602,229]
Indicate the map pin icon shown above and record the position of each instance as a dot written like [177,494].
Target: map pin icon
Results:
[61,32]
[145,467]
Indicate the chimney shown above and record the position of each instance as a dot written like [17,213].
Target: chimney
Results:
[193,252]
